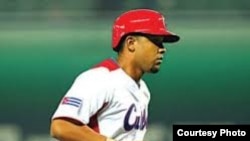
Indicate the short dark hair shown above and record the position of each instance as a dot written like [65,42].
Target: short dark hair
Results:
[121,42]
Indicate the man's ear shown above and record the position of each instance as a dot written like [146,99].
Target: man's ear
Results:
[130,42]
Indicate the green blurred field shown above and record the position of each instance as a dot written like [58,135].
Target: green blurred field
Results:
[204,78]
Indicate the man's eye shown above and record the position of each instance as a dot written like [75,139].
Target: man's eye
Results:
[160,45]
[158,42]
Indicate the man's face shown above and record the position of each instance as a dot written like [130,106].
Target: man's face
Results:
[149,53]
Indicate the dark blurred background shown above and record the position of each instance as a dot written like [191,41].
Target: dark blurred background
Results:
[44,45]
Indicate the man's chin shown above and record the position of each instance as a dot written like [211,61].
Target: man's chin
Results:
[155,70]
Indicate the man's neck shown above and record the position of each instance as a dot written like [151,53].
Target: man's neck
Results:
[130,69]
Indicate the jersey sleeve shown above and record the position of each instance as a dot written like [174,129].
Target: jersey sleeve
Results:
[87,95]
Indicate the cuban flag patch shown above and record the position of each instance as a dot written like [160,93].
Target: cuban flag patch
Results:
[72,101]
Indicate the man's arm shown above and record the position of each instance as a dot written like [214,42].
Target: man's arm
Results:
[65,129]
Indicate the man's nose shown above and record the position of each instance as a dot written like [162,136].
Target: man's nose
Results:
[162,50]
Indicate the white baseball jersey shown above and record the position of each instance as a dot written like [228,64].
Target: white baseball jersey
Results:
[109,101]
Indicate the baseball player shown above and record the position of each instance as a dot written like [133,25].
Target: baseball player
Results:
[109,102]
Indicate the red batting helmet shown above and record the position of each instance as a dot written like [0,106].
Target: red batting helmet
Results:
[143,21]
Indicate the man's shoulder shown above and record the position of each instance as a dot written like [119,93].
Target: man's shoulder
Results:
[109,64]
[100,71]
[94,74]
